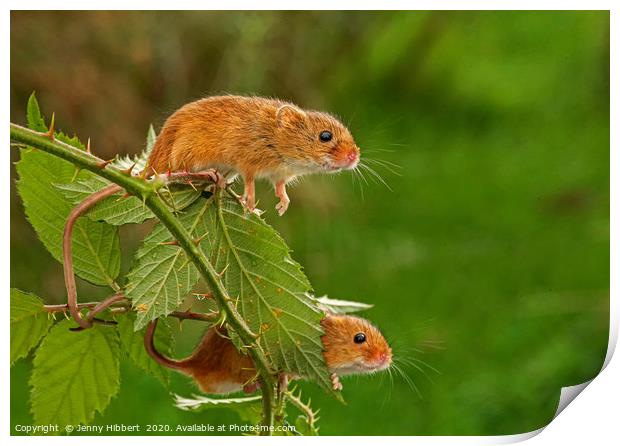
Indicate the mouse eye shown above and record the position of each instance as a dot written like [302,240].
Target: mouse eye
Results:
[359,338]
[325,136]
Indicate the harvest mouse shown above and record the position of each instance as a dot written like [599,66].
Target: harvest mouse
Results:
[352,345]
[256,138]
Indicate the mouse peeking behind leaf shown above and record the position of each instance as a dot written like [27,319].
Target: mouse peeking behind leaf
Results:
[256,138]
[352,345]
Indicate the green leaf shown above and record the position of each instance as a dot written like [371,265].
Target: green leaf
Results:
[33,115]
[338,306]
[270,286]
[118,210]
[75,374]
[258,270]
[133,344]
[248,408]
[162,275]
[96,248]
[29,323]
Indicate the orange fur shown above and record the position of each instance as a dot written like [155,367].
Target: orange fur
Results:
[216,364]
[343,355]
[254,137]
[218,367]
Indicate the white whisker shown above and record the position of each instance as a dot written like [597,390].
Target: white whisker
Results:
[376,175]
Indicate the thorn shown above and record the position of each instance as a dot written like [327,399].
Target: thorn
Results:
[129,170]
[124,197]
[221,274]
[230,299]
[199,239]
[88,147]
[202,296]
[50,132]
[77,172]
[103,164]
[172,243]
[221,335]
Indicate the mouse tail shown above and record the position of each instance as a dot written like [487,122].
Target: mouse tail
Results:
[149,345]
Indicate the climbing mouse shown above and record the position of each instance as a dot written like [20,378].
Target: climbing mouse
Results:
[253,137]
[352,345]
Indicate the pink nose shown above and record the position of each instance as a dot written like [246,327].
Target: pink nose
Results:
[383,357]
[352,156]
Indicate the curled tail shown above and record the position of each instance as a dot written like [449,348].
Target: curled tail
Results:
[149,345]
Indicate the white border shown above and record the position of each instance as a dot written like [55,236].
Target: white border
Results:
[593,415]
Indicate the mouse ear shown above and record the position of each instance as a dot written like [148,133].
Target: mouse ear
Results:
[290,116]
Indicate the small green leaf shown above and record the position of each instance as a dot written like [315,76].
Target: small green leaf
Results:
[248,408]
[338,306]
[133,343]
[151,136]
[33,115]
[75,374]
[29,323]
[138,162]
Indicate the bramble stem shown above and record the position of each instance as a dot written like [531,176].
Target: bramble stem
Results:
[148,192]
[67,257]
[123,305]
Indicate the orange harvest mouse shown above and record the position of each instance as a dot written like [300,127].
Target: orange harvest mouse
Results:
[352,345]
[253,137]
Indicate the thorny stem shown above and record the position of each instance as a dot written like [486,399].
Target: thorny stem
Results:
[303,407]
[122,305]
[67,238]
[148,192]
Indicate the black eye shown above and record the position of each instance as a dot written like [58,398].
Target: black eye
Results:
[325,136]
[359,338]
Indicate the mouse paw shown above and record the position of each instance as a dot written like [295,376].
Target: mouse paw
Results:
[336,384]
[282,206]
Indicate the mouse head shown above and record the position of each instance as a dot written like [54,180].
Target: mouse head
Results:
[315,141]
[354,345]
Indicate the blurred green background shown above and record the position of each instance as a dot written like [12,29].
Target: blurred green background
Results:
[489,260]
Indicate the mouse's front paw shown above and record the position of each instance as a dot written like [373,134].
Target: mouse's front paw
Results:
[336,384]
